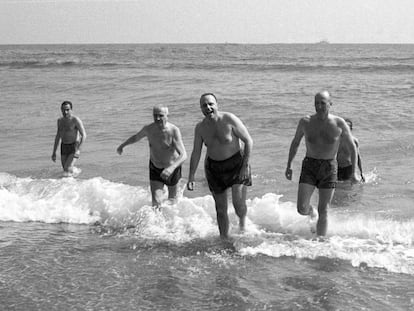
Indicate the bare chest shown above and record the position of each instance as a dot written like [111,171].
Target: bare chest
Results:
[162,140]
[67,126]
[217,134]
[322,133]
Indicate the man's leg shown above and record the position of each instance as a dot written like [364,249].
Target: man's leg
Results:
[63,158]
[69,163]
[221,210]
[239,202]
[157,188]
[305,192]
[172,193]
[325,197]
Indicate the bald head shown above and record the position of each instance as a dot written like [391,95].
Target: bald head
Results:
[323,96]
[160,110]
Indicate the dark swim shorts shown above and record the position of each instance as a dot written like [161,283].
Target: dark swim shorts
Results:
[344,173]
[319,172]
[155,174]
[224,174]
[67,149]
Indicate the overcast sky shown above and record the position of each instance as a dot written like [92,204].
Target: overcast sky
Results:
[206,21]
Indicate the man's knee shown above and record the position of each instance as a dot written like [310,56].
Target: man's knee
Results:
[304,208]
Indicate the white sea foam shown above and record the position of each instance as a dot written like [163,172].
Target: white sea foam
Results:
[273,227]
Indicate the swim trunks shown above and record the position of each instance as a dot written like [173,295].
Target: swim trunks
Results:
[344,173]
[319,172]
[67,149]
[155,174]
[224,174]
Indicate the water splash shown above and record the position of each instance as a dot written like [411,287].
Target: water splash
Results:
[273,227]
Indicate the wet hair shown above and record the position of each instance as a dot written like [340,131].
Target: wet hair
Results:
[208,94]
[349,123]
[66,102]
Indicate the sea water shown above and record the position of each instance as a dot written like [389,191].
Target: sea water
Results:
[95,243]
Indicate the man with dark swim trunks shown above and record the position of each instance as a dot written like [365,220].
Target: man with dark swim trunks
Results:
[344,158]
[72,134]
[323,133]
[226,165]
[167,154]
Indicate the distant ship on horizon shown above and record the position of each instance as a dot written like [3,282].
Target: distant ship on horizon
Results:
[324,41]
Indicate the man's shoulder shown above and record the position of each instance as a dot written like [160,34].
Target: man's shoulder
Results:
[338,120]
[229,117]
[226,114]
[149,128]
[76,119]
[306,119]
[335,117]
[172,128]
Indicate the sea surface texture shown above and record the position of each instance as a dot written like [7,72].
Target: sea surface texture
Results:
[95,243]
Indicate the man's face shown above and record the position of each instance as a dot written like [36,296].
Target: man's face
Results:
[208,106]
[66,111]
[160,117]
[322,105]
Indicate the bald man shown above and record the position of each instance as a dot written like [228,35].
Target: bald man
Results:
[167,154]
[323,132]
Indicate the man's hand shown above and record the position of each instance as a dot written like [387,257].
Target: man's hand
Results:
[166,173]
[54,157]
[244,172]
[119,150]
[288,173]
[190,185]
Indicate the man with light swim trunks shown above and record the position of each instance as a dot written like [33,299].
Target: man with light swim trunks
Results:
[323,132]
[72,134]
[344,158]
[226,164]
[167,154]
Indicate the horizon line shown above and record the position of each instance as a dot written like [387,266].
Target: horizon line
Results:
[214,43]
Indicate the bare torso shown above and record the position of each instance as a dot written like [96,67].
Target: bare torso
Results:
[68,130]
[162,143]
[344,154]
[322,136]
[219,137]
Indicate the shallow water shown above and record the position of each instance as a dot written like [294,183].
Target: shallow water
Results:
[94,243]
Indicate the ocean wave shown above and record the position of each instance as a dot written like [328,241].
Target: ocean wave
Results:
[273,227]
[20,64]
[194,64]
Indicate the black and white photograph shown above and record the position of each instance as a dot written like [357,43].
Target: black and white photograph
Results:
[206,155]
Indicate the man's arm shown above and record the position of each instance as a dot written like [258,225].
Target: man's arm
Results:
[133,139]
[195,157]
[55,145]
[359,159]
[179,146]
[294,148]
[82,132]
[242,133]
[348,139]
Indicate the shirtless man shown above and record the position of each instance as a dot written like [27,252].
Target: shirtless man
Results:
[167,154]
[323,133]
[344,158]
[226,165]
[72,134]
